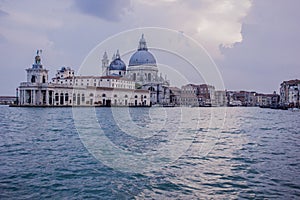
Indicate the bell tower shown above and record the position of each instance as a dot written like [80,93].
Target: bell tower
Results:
[105,64]
[37,74]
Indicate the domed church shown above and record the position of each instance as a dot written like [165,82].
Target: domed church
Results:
[142,65]
[142,69]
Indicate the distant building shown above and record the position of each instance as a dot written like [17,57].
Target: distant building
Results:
[220,98]
[206,95]
[7,100]
[189,95]
[268,100]
[198,95]
[289,93]
[241,98]
[175,94]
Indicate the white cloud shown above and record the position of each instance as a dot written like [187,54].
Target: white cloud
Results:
[212,23]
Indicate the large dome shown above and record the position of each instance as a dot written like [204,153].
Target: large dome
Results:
[117,64]
[142,57]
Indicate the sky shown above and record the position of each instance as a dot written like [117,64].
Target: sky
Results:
[254,43]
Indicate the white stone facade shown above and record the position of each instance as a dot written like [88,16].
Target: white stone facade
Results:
[66,89]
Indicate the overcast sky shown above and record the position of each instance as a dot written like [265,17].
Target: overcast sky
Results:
[255,44]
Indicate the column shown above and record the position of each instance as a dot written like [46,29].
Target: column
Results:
[24,96]
[47,97]
[20,97]
[39,97]
[33,97]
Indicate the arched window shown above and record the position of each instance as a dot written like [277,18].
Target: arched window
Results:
[149,77]
[66,97]
[103,95]
[135,96]
[56,97]
[115,95]
[61,102]
[126,96]
[134,76]
[78,99]
[82,98]
[74,98]
[44,79]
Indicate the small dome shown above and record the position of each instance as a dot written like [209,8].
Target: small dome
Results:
[62,69]
[142,57]
[117,64]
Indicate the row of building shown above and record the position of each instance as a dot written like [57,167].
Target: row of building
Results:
[206,95]
[138,84]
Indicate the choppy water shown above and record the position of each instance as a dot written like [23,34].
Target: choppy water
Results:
[254,154]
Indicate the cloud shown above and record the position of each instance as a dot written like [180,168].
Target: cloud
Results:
[213,23]
[111,10]
[269,51]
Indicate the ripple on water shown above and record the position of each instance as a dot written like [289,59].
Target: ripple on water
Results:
[250,157]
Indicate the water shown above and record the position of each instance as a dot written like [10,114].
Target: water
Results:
[254,154]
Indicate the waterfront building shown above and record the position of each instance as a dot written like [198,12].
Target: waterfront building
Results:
[220,98]
[189,95]
[198,95]
[142,70]
[242,98]
[67,89]
[7,100]
[175,94]
[289,93]
[268,100]
[206,95]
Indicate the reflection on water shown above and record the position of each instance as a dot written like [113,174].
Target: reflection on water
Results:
[253,153]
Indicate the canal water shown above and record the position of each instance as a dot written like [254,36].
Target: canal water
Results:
[149,153]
